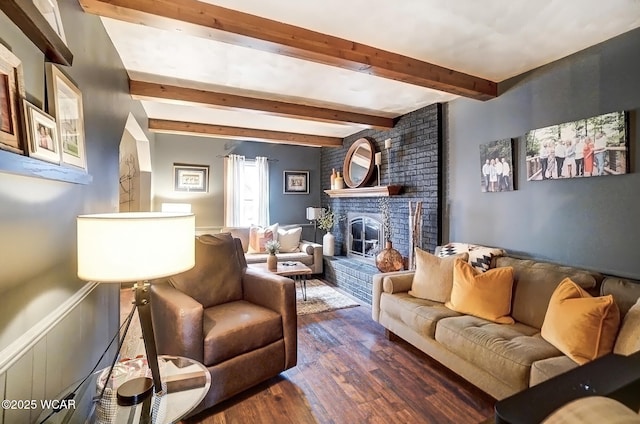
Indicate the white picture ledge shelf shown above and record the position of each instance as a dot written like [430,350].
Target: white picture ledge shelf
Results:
[377,191]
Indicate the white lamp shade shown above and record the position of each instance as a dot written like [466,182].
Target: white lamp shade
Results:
[135,246]
[313,213]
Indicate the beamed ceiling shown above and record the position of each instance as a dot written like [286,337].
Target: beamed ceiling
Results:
[313,72]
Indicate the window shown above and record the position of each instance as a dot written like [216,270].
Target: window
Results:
[246,193]
[249,214]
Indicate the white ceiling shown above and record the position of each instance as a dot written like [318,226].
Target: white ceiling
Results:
[491,39]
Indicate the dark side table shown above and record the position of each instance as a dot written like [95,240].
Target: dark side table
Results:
[613,376]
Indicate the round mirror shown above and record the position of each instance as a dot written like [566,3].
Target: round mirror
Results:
[358,164]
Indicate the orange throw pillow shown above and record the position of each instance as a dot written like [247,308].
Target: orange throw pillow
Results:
[485,295]
[579,325]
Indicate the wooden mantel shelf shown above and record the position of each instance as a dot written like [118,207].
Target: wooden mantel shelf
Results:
[377,191]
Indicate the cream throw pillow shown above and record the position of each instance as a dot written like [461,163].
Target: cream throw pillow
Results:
[482,294]
[289,239]
[434,276]
[579,325]
[258,236]
[628,340]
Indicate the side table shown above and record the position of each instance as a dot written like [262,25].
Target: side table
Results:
[187,382]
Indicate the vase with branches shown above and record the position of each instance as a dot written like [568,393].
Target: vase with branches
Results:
[273,248]
[388,259]
[327,220]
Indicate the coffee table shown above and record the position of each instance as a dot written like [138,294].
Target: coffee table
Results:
[294,269]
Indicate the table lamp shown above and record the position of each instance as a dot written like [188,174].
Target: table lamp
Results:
[136,247]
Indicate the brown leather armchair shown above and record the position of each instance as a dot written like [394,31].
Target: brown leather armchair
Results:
[241,324]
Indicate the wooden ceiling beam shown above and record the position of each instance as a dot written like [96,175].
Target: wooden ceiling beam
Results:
[238,28]
[222,131]
[172,94]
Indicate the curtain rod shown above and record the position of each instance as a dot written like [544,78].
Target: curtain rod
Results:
[268,160]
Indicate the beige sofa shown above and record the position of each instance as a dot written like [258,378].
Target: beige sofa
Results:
[309,253]
[499,359]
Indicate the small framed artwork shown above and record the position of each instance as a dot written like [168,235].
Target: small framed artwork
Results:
[296,182]
[496,166]
[11,95]
[42,134]
[49,9]
[192,178]
[65,105]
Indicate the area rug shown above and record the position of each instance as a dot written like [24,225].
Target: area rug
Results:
[321,298]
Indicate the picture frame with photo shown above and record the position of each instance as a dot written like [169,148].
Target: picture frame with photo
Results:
[65,106]
[191,178]
[296,182]
[42,134]
[591,147]
[12,92]
[497,166]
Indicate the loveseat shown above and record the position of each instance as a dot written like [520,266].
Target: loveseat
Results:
[500,359]
[307,252]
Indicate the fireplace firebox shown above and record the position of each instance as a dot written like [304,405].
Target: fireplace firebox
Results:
[365,235]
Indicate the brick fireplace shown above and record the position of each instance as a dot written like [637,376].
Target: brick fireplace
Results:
[414,162]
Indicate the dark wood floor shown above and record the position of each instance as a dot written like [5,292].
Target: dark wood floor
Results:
[348,372]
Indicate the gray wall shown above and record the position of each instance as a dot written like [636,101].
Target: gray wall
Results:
[37,216]
[209,207]
[591,222]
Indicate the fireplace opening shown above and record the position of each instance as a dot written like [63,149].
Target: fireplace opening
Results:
[365,235]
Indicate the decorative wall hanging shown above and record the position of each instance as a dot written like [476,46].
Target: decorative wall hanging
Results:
[296,182]
[65,105]
[589,147]
[496,166]
[193,178]
[11,95]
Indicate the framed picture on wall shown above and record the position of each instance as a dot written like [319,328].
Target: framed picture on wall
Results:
[590,147]
[496,166]
[11,95]
[42,134]
[65,105]
[192,178]
[296,182]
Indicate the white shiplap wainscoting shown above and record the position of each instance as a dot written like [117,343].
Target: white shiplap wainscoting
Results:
[59,350]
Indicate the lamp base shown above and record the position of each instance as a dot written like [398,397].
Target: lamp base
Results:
[135,391]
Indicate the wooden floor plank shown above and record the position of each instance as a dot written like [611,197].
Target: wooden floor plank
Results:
[348,372]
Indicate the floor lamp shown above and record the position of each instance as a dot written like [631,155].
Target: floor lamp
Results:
[136,247]
[312,215]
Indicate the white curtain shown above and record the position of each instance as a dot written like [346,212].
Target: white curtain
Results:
[262,167]
[233,190]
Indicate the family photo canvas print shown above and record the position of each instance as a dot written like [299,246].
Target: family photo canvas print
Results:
[589,147]
[496,166]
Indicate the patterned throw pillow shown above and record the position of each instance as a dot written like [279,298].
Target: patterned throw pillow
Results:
[480,257]
[258,236]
